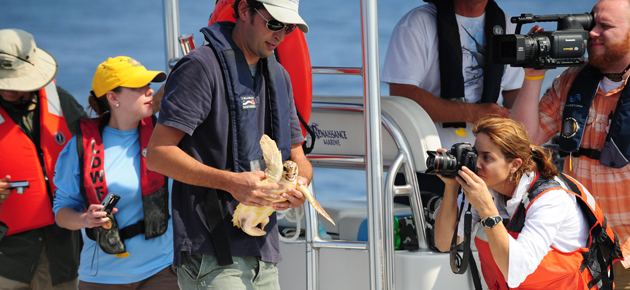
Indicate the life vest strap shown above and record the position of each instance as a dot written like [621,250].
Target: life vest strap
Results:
[454,125]
[132,230]
[590,153]
[126,233]
[218,231]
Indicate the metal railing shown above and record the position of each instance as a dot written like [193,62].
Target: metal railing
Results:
[403,160]
[171,29]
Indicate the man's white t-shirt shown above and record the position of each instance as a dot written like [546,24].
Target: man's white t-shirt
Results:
[413,59]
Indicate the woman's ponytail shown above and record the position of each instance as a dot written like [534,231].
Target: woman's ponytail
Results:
[542,157]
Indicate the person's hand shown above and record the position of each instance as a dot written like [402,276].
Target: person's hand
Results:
[476,192]
[294,197]
[531,71]
[94,217]
[249,189]
[485,109]
[5,188]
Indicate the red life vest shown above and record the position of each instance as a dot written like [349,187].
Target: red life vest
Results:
[558,270]
[154,189]
[20,158]
[94,155]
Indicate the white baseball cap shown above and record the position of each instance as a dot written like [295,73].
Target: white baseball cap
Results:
[285,11]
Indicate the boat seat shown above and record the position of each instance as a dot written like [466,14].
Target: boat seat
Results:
[338,124]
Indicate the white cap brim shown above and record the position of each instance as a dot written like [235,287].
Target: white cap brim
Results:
[30,78]
[286,16]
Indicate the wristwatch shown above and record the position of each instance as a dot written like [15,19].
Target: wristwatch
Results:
[491,221]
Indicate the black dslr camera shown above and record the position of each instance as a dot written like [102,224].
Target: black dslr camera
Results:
[448,164]
[548,49]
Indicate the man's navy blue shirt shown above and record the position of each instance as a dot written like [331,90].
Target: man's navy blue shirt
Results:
[196,103]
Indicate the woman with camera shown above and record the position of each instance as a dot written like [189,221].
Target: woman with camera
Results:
[131,247]
[535,222]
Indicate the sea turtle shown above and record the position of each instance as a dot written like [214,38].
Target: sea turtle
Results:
[249,217]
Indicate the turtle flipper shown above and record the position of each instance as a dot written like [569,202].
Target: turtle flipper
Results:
[313,202]
[273,159]
[248,218]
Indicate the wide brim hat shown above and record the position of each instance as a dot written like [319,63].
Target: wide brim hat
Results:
[285,11]
[24,67]
[123,71]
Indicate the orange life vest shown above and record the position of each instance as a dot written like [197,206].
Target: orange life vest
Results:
[559,270]
[20,159]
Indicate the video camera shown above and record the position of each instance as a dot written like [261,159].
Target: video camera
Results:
[548,49]
[449,163]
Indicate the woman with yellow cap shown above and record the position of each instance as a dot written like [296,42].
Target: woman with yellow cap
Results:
[131,245]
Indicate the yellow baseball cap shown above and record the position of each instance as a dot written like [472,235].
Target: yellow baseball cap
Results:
[123,71]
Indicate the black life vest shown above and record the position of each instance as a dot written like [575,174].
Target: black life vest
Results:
[154,189]
[616,150]
[450,50]
[246,151]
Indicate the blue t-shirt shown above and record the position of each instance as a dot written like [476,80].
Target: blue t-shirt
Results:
[195,102]
[122,174]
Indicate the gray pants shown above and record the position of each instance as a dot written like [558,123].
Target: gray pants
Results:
[203,271]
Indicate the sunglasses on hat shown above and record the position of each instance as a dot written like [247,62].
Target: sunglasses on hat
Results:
[275,25]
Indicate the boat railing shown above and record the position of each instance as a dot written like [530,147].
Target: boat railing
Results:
[398,157]
[329,70]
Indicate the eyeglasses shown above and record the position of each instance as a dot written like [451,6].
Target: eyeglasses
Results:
[275,25]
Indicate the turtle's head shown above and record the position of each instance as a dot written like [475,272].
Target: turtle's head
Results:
[290,171]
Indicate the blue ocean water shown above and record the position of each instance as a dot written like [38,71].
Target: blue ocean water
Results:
[82,34]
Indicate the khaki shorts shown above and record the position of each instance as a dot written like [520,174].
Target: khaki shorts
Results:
[41,279]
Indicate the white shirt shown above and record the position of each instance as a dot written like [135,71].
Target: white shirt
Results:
[413,59]
[553,220]
[607,85]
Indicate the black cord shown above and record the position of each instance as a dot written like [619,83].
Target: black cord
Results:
[96,253]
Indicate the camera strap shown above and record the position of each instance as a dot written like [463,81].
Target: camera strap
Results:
[459,265]
[95,254]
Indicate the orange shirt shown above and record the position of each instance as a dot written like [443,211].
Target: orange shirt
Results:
[609,186]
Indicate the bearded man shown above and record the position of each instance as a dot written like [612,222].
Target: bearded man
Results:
[590,107]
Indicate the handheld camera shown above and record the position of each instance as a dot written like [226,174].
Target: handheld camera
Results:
[449,163]
[19,186]
[548,49]
[109,202]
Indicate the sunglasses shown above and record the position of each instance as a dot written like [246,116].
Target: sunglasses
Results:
[275,25]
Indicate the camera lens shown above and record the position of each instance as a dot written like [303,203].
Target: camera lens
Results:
[442,163]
